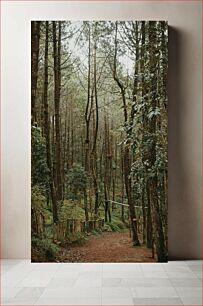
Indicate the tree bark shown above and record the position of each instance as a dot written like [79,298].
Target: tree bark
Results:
[35,39]
[157,220]
[94,153]
[47,126]
[57,90]
[87,122]
[127,165]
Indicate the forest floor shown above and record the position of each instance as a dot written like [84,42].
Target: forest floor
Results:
[106,247]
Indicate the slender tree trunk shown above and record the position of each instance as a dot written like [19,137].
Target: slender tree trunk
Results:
[149,219]
[87,121]
[144,216]
[158,233]
[47,126]
[94,153]
[127,165]
[122,185]
[35,38]
[57,90]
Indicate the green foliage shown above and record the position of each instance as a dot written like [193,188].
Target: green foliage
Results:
[153,112]
[76,238]
[116,225]
[96,232]
[38,200]
[40,171]
[107,227]
[71,210]
[45,247]
[77,180]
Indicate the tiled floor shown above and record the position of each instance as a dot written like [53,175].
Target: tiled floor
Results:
[174,283]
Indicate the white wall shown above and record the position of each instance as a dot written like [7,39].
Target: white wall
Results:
[184,112]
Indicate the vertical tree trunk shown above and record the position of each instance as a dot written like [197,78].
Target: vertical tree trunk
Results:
[57,90]
[144,126]
[87,121]
[149,219]
[47,126]
[94,153]
[107,170]
[35,38]
[127,164]
[158,233]
[122,185]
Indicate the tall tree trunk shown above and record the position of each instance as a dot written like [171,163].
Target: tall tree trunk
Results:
[87,121]
[122,185]
[94,153]
[127,164]
[157,220]
[47,126]
[35,38]
[149,219]
[57,90]
[107,170]
[146,217]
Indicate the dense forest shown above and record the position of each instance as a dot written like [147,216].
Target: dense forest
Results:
[99,139]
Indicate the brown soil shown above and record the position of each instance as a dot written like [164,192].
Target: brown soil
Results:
[107,247]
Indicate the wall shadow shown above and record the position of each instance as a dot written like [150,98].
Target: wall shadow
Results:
[183,234]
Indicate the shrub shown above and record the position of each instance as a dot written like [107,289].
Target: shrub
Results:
[45,247]
[75,238]
[107,228]
[116,225]
[70,210]
[96,231]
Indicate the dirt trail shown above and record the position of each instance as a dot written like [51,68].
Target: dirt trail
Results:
[107,247]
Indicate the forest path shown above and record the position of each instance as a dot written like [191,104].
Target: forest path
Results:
[106,247]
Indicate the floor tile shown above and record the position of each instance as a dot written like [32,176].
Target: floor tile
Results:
[22,301]
[117,301]
[193,262]
[9,292]
[185,282]
[177,268]
[61,282]
[123,274]
[173,283]
[192,301]
[189,291]
[198,274]
[97,282]
[90,274]
[46,267]
[36,280]
[112,282]
[195,268]
[146,282]
[6,268]
[67,273]
[30,292]
[157,301]
[155,274]
[69,301]
[74,292]
[151,267]
[114,267]
[155,292]
[93,267]
[177,262]
[116,292]
[181,275]
[15,275]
